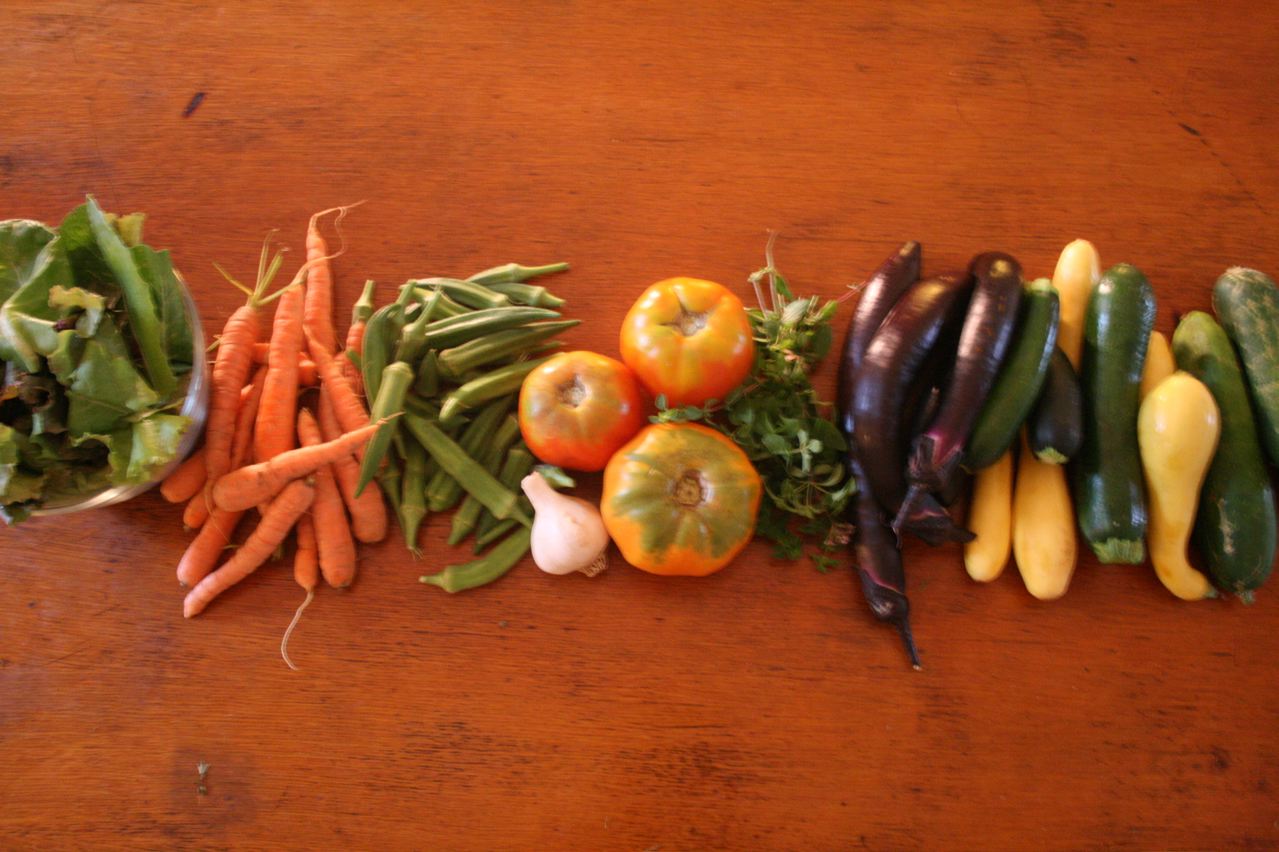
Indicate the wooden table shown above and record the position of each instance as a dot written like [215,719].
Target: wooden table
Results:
[761,708]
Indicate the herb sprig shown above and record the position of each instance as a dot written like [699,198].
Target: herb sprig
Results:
[776,417]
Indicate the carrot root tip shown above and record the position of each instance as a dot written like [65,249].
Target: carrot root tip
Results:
[297,616]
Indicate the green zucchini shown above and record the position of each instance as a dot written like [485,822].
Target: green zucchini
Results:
[1247,303]
[1055,428]
[1020,377]
[1110,497]
[1235,527]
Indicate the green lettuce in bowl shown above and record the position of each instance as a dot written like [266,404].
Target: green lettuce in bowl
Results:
[103,376]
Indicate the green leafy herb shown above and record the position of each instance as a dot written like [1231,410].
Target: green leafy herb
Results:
[776,417]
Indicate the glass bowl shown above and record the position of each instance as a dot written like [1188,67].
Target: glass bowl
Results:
[195,406]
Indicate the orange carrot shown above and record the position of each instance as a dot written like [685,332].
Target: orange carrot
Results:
[256,483]
[216,532]
[196,511]
[245,419]
[306,367]
[203,552]
[354,343]
[318,312]
[230,372]
[351,413]
[332,531]
[285,510]
[274,428]
[306,565]
[186,480]
[368,511]
[306,573]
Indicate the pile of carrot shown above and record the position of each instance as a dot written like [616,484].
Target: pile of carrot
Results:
[265,453]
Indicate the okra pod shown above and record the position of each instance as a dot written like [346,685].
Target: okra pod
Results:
[413,335]
[516,466]
[468,514]
[365,305]
[389,401]
[380,337]
[497,383]
[452,331]
[513,272]
[489,567]
[428,376]
[470,474]
[442,490]
[389,477]
[415,404]
[494,347]
[470,293]
[412,506]
[520,293]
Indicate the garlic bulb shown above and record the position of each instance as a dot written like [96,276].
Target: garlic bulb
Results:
[568,534]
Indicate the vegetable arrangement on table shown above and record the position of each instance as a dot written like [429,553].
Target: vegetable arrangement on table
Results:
[1055,398]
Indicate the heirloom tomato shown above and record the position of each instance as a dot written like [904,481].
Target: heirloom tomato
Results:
[578,408]
[689,340]
[680,499]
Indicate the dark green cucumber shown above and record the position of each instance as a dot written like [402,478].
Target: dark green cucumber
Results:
[1110,496]
[1247,303]
[1235,528]
[1056,426]
[1020,377]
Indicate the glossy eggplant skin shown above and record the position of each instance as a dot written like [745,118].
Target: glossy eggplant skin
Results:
[875,549]
[882,381]
[984,341]
[880,293]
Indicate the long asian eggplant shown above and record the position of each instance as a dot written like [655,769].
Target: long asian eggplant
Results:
[879,295]
[892,361]
[983,343]
[875,550]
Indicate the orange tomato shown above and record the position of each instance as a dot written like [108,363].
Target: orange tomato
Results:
[680,499]
[689,340]
[578,408]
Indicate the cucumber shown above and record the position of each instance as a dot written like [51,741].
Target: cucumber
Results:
[1020,377]
[1110,497]
[1235,526]
[1056,426]
[1247,303]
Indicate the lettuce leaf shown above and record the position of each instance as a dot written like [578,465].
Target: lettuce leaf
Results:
[27,319]
[21,241]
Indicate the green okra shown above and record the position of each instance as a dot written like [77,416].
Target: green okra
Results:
[520,293]
[457,360]
[389,401]
[513,272]
[442,490]
[466,471]
[502,381]
[491,457]
[516,466]
[452,331]
[469,293]
[489,567]
[412,508]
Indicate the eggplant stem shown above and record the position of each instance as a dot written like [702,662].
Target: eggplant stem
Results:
[903,627]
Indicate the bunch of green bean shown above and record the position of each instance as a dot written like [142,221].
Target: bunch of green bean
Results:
[449,356]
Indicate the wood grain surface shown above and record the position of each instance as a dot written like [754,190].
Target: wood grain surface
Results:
[761,708]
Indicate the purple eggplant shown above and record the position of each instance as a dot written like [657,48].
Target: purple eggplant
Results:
[879,294]
[881,393]
[875,551]
[879,567]
[983,343]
